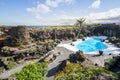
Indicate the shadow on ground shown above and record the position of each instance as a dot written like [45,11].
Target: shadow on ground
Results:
[52,71]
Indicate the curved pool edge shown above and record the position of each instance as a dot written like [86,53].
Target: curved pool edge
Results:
[91,45]
[111,48]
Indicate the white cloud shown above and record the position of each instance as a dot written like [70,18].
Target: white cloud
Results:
[104,16]
[69,1]
[51,3]
[66,20]
[55,3]
[95,4]
[110,16]
[41,8]
[46,7]
[38,10]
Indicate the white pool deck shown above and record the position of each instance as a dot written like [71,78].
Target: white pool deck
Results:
[110,50]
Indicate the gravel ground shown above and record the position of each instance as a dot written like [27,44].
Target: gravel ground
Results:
[99,59]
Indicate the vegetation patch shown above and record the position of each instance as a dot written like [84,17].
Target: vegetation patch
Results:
[81,36]
[55,27]
[18,44]
[33,71]
[11,64]
[78,72]
[6,48]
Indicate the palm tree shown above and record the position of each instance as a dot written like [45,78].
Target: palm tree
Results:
[80,23]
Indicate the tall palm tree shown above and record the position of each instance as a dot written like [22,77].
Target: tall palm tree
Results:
[80,24]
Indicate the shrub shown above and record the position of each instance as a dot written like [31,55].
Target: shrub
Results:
[40,43]
[18,44]
[118,44]
[11,64]
[113,37]
[51,44]
[6,48]
[112,61]
[33,71]
[78,72]
[80,35]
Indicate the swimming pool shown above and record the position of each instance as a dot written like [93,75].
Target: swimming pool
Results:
[90,45]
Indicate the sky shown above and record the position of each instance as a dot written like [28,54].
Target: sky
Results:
[58,12]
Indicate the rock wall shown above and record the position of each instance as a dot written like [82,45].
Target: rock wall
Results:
[108,30]
[18,34]
[53,34]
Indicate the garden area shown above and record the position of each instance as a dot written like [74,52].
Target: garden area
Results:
[78,72]
[33,71]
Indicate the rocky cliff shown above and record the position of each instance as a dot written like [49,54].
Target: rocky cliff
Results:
[18,35]
[108,30]
[48,34]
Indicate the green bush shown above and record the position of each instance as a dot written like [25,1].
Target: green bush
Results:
[78,72]
[112,61]
[81,35]
[118,44]
[18,44]
[33,71]
[6,48]
[51,44]
[11,64]
[113,37]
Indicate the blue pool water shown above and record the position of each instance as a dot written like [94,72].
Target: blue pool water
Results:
[90,45]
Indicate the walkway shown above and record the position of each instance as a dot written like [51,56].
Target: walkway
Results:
[14,70]
[52,67]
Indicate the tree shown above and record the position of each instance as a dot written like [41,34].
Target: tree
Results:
[80,23]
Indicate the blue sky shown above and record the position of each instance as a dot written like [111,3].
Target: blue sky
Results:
[58,12]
